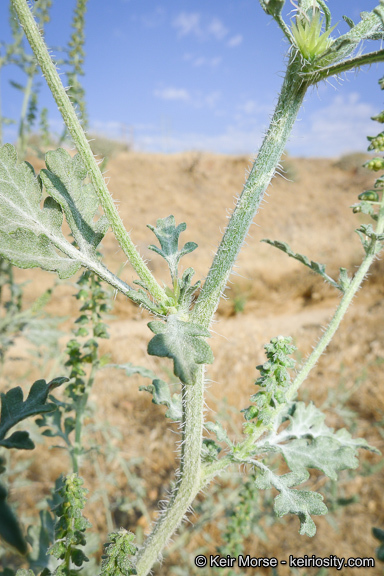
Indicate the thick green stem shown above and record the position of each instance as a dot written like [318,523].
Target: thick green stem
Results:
[188,484]
[264,167]
[72,122]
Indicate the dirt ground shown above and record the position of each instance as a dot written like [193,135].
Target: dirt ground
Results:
[269,294]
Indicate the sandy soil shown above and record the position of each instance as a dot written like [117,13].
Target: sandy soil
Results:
[278,295]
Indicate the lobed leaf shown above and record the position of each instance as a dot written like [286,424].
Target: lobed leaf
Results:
[181,341]
[314,266]
[303,503]
[26,230]
[168,236]
[14,409]
[162,396]
[309,443]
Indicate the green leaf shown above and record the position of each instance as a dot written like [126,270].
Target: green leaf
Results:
[186,290]
[378,533]
[181,341]
[314,266]
[367,230]
[162,395]
[27,232]
[303,503]
[130,370]
[324,453]
[40,537]
[168,236]
[309,443]
[63,180]
[10,530]
[117,559]
[221,434]
[349,21]
[14,410]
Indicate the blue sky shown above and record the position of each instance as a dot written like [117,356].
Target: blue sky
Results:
[190,74]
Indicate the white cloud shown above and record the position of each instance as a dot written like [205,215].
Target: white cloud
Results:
[230,141]
[199,61]
[217,29]
[339,127]
[171,93]
[197,99]
[188,23]
[235,41]
[249,107]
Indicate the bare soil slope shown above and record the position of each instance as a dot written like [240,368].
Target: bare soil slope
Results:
[270,294]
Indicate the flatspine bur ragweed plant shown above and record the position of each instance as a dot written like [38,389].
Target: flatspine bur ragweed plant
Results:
[276,423]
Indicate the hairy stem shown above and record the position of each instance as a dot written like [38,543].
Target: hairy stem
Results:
[72,122]
[264,167]
[188,484]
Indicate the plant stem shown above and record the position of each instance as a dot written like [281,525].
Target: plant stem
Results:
[21,139]
[72,122]
[188,484]
[264,167]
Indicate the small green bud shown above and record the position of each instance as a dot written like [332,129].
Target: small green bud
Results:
[369,196]
[375,164]
[356,209]
[377,142]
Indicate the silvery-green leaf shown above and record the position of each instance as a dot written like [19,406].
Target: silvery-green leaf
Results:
[131,369]
[309,443]
[181,341]
[64,181]
[303,503]
[218,429]
[168,236]
[324,453]
[162,396]
[26,230]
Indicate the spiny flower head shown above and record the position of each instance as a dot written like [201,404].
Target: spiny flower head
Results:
[308,37]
